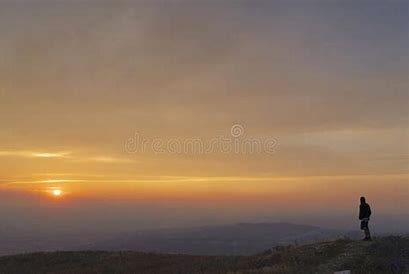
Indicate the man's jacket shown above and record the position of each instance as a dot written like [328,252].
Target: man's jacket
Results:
[364,211]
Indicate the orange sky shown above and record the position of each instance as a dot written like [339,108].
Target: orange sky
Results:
[328,83]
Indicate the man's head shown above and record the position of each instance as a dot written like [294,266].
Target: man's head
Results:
[363,200]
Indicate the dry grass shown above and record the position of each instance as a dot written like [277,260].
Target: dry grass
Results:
[384,255]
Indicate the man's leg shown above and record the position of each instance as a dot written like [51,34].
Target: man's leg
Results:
[367,232]
[364,227]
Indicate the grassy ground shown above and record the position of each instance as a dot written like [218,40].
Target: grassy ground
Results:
[383,255]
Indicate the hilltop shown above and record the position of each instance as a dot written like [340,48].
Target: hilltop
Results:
[383,255]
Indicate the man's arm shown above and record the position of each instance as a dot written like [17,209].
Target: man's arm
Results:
[360,212]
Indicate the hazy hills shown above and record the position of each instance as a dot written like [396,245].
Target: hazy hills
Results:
[383,255]
[239,239]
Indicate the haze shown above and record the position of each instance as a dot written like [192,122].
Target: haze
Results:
[327,80]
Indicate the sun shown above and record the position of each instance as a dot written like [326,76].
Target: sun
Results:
[57,192]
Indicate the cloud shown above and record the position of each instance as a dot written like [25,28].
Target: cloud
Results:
[213,179]
[32,154]
[63,155]
[105,159]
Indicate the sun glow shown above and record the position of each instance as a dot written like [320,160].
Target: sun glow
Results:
[56,192]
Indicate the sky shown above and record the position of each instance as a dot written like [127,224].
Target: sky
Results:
[320,87]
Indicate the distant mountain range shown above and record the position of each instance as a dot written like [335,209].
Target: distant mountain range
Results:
[238,239]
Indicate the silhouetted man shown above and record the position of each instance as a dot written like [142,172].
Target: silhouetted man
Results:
[364,214]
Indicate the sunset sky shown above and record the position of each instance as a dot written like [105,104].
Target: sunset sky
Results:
[326,80]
